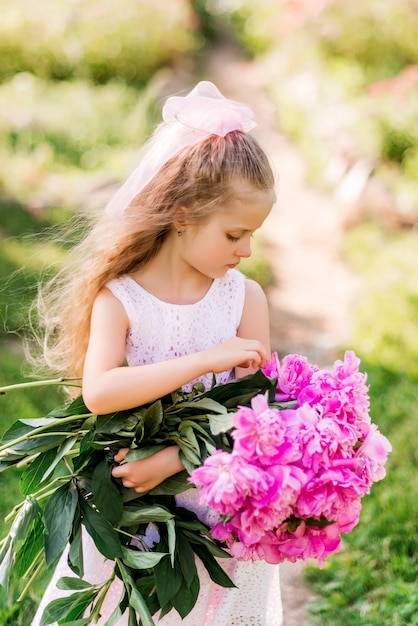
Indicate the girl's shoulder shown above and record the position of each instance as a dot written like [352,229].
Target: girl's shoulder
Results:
[249,286]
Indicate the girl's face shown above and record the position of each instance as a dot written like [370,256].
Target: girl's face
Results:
[225,238]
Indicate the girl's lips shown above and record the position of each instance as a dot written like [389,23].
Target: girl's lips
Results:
[232,265]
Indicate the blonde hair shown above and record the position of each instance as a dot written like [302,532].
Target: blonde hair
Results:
[199,177]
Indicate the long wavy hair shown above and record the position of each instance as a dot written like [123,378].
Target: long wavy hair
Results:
[198,177]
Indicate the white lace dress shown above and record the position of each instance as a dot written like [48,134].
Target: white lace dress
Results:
[160,331]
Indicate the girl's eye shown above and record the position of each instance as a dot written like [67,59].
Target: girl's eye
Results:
[232,238]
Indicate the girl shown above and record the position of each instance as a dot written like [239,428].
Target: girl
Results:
[154,284]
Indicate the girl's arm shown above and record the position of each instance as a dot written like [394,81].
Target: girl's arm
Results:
[109,386]
[255,322]
[147,473]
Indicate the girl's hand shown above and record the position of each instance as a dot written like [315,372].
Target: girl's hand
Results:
[236,352]
[146,474]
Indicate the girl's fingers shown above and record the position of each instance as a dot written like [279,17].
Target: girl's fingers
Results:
[127,483]
[121,454]
[118,472]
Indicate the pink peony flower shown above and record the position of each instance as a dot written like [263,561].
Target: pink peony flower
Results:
[374,453]
[266,549]
[295,373]
[227,479]
[327,493]
[258,431]
[309,542]
[272,367]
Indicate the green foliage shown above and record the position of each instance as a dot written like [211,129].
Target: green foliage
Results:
[98,41]
[61,141]
[253,24]
[68,456]
[387,311]
[381,37]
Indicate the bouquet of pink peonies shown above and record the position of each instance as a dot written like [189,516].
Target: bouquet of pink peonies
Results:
[283,455]
[295,477]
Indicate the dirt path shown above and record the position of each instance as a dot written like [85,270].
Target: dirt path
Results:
[311,299]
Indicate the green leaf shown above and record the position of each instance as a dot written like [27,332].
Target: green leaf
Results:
[189,466]
[85,621]
[193,525]
[136,600]
[186,558]
[61,452]
[137,559]
[75,555]
[139,514]
[220,423]
[76,407]
[101,531]
[70,607]
[215,571]
[106,496]
[5,565]
[32,477]
[17,429]
[171,534]
[153,416]
[58,516]
[210,447]
[168,580]
[241,390]
[203,405]
[114,617]
[144,452]
[113,423]
[32,547]
[207,543]
[72,583]
[173,485]
[188,434]
[26,515]
[186,597]
[17,537]
[194,422]
[24,441]
[188,451]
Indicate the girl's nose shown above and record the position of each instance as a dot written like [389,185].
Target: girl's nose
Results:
[244,249]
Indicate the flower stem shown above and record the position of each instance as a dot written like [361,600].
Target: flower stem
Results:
[105,588]
[35,569]
[41,494]
[66,382]
[41,429]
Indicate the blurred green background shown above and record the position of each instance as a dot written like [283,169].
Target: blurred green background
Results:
[80,84]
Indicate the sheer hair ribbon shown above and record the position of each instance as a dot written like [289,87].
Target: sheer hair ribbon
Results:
[187,121]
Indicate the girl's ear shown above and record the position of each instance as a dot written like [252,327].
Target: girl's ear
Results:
[180,217]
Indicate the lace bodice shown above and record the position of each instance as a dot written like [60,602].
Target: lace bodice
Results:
[160,331]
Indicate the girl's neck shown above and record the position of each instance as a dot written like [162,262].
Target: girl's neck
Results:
[169,279]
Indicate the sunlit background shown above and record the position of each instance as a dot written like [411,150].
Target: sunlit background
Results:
[81,84]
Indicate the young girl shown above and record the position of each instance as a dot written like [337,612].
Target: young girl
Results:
[154,285]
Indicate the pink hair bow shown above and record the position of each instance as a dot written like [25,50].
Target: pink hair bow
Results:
[205,109]
[187,121]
